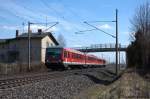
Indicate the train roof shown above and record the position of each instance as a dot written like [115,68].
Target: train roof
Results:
[91,55]
[68,49]
[73,50]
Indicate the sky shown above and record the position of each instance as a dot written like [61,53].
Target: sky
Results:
[71,15]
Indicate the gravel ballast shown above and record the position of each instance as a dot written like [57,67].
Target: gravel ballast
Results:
[59,88]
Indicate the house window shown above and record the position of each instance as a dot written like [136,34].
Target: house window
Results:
[68,54]
[2,57]
[47,44]
[14,46]
[3,46]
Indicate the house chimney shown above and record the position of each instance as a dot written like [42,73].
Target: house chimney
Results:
[17,33]
[39,31]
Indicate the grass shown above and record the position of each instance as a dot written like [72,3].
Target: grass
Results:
[129,86]
[17,68]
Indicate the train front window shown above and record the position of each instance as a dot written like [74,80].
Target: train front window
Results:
[55,53]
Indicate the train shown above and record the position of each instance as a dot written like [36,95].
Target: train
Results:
[67,58]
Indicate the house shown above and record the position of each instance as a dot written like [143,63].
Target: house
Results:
[16,49]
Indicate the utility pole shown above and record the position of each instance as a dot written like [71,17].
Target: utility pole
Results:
[116,42]
[46,22]
[96,28]
[23,26]
[29,48]
[29,39]
[120,63]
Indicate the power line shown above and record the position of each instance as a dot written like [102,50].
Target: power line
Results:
[4,18]
[99,21]
[85,31]
[56,12]
[71,11]
[51,26]
[44,23]
[99,29]
[26,8]
[6,10]
[23,24]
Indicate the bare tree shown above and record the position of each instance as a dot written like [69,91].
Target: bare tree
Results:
[141,27]
[141,19]
[61,40]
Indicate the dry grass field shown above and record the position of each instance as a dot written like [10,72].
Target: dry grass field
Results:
[129,86]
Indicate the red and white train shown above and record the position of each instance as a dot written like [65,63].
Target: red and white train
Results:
[59,57]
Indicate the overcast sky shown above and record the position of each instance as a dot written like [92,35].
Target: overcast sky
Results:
[70,14]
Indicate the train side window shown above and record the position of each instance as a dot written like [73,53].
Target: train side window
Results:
[76,55]
[65,54]
[68,54]
[72,55]
[79,56]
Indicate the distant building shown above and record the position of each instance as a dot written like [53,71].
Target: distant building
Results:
[16,49]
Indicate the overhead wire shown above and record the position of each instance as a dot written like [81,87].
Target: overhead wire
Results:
[51,26]
[51,8]
[71,11]
[100,29]
[53,23]
[85,31]
[8,11]
[27,9]
[56,12]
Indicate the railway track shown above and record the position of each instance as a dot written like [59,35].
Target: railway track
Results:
[9,83]
[24,80]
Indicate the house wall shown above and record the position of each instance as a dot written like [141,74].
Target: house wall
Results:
[35,51]
[3,52]
[38,49]
[21,46]
[46,42]
[23,50]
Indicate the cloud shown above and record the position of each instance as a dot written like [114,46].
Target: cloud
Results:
[8,27]
[76,45]
[127,33]
[35,27]
[24,13]
[105,26]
